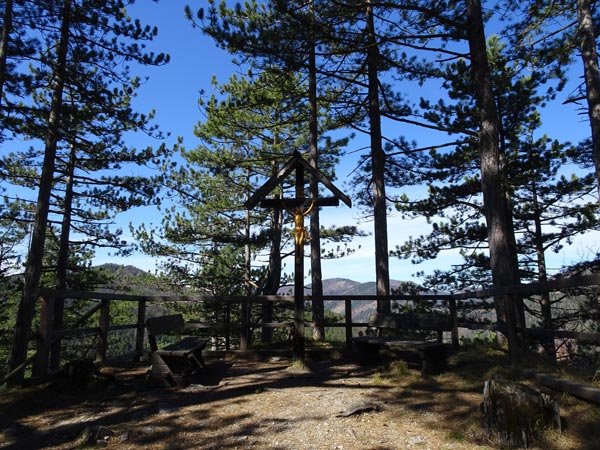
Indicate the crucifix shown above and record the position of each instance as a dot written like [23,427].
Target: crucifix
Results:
[300,207]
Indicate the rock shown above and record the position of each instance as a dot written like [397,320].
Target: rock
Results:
[103,433]
[359,408]
[80,372]
[96,435]
[124,437]
[416,440]
[517,414]
[166,408]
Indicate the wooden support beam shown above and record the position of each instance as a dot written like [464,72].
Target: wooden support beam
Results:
[140,329]
[289,203]
[348,321]
[584,391]
[104,322]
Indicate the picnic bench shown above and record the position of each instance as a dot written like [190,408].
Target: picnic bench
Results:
[173,364]
[429,352]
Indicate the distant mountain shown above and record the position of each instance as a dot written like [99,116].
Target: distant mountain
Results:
[361,309]
[120,269]
[131,279]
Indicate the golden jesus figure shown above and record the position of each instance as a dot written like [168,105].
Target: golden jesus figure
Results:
[301,234]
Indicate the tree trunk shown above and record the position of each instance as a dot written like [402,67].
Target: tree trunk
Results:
[318,310]
[246,306]
[33,268]
[382,270]
[6,27]
[498,228]
[62,265]
[589,54]
[546,311]
[274,273]
[516,414]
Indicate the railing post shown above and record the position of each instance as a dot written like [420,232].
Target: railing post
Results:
[454,321]
[140,329]
[104,322]
[245,329]
[348,319]
[40,364]
[227,327]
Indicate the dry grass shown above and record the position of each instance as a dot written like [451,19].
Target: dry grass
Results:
[276,404]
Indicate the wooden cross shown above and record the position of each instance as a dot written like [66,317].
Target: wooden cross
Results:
[300,209]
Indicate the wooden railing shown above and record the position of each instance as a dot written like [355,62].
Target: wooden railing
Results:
[47,336]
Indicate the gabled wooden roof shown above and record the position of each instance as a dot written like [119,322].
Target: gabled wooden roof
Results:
[292,164]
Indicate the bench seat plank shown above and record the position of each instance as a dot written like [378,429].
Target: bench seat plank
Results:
[173,364]
[183,348]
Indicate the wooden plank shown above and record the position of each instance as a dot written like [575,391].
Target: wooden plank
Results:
[45,335]
[296,162]
[289,203]
[272,182]
[454,319]
[348,320]
[324,181]
[76,333]
[584,391]
[534,288]
[88,314]
[130,326]
[401,297]
[411,322]
[482,326]
[140,329]
[88,295]
[564,334]
[165,324]
[103,323]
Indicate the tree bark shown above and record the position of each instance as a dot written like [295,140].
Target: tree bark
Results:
[62,264]
[33,268]
[545,305]
[498,228]
[589,54]
[318,310]
[274,271]
[6,28]
[382,270]
[516,414]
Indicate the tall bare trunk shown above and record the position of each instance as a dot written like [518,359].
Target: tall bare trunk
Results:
[33,269]
[545,306]
[315,225]
[62,265]
[589,54]
[274,271]
[382,271]
[6,28]
[503,272]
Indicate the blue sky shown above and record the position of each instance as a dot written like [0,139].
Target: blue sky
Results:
[173,91]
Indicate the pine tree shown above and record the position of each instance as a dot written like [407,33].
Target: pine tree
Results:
[287,35]
[84,70]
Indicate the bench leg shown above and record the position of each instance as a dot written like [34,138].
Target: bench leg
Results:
[367,351]
[434,360]
[196,360]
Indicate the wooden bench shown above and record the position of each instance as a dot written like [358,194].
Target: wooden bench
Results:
[174,364]
[430,353]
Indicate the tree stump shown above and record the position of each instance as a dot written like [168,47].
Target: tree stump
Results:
[517,414]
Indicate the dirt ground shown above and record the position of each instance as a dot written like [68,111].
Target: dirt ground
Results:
[265,404]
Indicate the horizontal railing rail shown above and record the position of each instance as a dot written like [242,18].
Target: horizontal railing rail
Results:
[47,335]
